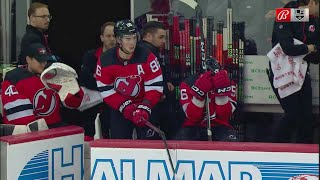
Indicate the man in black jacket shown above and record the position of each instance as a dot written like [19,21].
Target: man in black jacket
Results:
[39,18]
[154,38]
[298,106]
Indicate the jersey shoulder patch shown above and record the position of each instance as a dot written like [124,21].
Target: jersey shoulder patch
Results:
[17,75]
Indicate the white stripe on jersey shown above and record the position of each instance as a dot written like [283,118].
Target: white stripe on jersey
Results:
[184,107]
[233,104]
[100,84]
[154,80]
[197,102]
[105,94]
[20,114]
[16,103]
[231,100]
[151,88]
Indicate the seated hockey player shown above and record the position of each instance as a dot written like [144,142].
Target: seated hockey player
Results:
[129,79]
[221,102]
[24,96]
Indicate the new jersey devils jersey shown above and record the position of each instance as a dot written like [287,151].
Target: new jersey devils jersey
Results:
[195,109]
[26,99]
[137,79]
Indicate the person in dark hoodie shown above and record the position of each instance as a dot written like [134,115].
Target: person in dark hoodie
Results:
[298,106]
[153,38]
[39,20]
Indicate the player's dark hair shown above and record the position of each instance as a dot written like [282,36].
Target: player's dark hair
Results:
[151,27]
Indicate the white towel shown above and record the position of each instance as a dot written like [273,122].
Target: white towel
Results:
[289,71]
[91,98]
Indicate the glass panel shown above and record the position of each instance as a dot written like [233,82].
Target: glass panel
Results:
[258,15]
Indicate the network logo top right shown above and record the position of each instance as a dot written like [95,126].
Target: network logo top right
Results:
[292,15]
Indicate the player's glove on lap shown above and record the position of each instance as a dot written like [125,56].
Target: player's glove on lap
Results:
[127,108]
[221,83]
[141,115]
[202,85]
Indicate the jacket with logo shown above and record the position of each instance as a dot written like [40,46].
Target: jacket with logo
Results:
[306,32]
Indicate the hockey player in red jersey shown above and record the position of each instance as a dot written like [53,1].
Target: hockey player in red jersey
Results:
[222,102]
[129,79]
[25,98]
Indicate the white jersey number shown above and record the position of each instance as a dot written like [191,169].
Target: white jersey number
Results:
[154,65]
[11,90]
[98,70]
[183,94]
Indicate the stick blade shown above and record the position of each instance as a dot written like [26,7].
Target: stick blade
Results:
[191,3]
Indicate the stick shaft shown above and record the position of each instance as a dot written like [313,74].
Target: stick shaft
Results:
[162,135]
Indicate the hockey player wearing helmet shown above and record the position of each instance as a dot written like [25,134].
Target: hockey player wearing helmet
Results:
[129,79]
[126,37]
[219,106]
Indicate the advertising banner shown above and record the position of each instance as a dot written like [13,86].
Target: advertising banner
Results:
[53,154]
[205,161]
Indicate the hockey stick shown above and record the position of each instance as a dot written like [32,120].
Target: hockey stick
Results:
[229,27]
[204,67]
[163,137]
[194,5]
[219,38]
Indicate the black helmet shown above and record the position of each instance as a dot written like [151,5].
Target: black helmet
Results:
[212,64]
[124,27]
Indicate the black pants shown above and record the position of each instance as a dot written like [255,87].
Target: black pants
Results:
[89,116]
[195,133]
[298,114]
[57,125]
[170,121]
[121,128]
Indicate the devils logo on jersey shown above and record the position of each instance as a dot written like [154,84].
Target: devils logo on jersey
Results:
[44,102]
[312,28]
[128,86]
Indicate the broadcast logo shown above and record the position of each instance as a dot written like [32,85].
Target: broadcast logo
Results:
[292,15]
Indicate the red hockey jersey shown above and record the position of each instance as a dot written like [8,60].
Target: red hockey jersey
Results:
[195,110]
[138,79]
[25,99]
